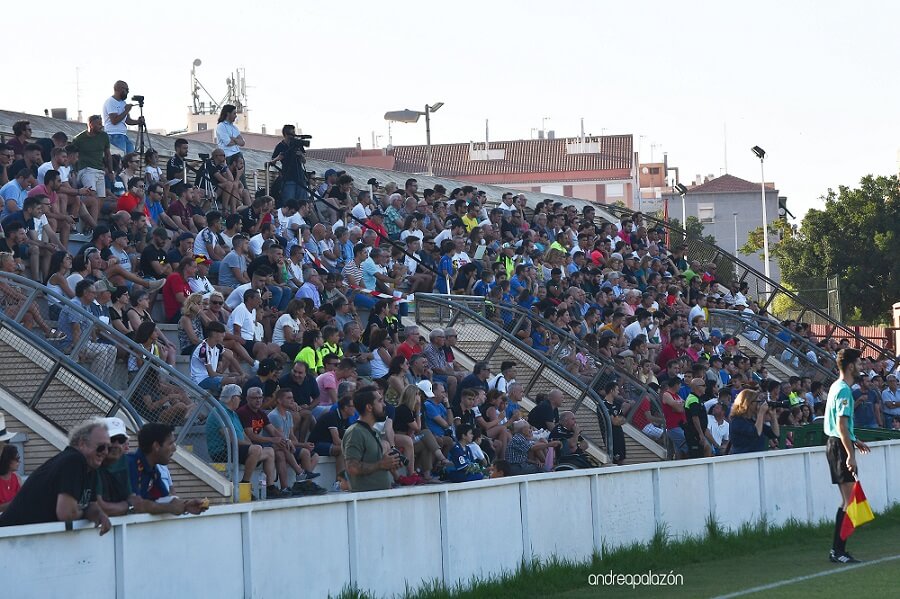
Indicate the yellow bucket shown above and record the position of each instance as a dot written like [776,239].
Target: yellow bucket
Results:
[244,492]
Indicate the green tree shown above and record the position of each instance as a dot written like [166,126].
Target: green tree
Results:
[856,237]
[694,229]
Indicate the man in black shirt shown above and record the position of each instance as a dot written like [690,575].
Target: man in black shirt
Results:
[293,176]
[266,379]
[696,433]
[175,166]
[616,446]
[329,431]
[546,414]
[64,488]
[153,263]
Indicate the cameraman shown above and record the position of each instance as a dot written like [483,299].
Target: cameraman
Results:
[749,416]
[116,118]
[293,177]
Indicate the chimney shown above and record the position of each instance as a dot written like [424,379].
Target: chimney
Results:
[264,129]
[697,179]
[551,134]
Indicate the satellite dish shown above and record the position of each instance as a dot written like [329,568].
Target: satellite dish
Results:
[197,62]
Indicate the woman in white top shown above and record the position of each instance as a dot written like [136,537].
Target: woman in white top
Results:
[412,226]
[131,164]
[60,265]
[228,136]
[288,329]
[380,342]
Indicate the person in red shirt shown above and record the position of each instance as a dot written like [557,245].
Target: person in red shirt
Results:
[133,199]
[376,223]
[412,345]
[674,349]
[176,289]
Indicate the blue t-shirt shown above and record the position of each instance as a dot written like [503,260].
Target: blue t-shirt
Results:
[744,438]
[445,270]
[433,410]
[146,481]
[215,441]
[481,288]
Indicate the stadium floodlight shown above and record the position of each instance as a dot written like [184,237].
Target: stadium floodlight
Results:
[761,154]
[682,190]
[412,116]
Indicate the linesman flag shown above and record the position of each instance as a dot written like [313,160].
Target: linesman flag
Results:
[857,513]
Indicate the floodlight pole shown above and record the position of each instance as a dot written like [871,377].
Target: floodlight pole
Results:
[765,219]
[428,161]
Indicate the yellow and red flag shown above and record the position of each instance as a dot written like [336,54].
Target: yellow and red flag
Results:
[857,513]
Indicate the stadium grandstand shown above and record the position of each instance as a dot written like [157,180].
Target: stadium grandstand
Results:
[206,329]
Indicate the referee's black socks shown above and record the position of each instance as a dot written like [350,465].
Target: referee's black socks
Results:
[839,545]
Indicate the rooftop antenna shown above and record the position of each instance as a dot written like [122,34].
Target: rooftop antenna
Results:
[78,93]
[486,135]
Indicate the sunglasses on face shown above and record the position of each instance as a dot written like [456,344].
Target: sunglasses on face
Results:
[102,448]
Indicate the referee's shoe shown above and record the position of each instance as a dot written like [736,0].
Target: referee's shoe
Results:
[842,558]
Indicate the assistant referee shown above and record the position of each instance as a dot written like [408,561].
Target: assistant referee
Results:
[841,445]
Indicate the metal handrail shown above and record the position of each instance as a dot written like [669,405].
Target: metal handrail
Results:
[606,368]
[825,359]
[773,347]
[459,305]
[705,251]
[151,363]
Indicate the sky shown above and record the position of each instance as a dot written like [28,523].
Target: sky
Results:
[811,82]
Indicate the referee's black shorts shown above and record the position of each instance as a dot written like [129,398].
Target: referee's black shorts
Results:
[837,461]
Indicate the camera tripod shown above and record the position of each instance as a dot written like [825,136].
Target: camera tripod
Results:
[204,182]
[142,134]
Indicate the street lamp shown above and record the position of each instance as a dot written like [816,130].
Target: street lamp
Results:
[734,214]
[761,154]
[412,116]
[682,190]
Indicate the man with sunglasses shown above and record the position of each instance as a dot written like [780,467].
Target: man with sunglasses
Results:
[64,488]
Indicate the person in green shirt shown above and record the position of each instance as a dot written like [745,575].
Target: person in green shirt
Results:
[842,443]
[94,160]
[368,458]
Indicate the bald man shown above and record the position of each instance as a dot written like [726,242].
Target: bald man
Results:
[116,117]
[699,439]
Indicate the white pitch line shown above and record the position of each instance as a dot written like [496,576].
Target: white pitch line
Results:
[836,570]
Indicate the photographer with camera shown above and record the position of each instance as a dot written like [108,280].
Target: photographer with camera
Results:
[289,152]
[750,414]
[116,117]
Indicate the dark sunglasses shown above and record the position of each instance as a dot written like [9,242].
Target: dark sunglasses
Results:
[102,448]
[119,439]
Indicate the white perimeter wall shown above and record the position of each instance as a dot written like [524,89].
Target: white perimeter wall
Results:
[383,541]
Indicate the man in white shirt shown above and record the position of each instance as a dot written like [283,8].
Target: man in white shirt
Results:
[503,379]
[242,323]
[116,118]
[506,203]
[363,208]
[639,326]
[718,427]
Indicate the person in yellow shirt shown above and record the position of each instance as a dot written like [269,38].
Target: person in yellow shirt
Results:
[470,219]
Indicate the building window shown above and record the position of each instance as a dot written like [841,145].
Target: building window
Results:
[654,170]
[615,190]
[201,126]
[706,213]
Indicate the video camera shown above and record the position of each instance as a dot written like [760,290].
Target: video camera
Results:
[299,143]
[786,405]
[139,100]
[204,157]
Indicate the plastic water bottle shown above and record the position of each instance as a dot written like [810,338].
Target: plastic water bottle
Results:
[261,494]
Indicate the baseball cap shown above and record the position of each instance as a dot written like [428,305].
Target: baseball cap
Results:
[715,333]
[229,391]
[115,426]
[425,387]
[330,172]
[202,260]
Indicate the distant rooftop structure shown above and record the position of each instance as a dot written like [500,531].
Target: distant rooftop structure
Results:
[525,160]
[726,184]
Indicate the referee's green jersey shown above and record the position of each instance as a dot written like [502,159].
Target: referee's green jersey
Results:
[840,403]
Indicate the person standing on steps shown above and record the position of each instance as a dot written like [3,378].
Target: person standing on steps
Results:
[841,446]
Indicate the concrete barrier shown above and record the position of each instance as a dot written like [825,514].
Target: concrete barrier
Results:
[384,541]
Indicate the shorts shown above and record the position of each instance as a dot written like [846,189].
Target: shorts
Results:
[93,178]
[837,461]
[243,453]
[249,344]
[323,448]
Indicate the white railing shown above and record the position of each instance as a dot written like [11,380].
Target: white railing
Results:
[311,547]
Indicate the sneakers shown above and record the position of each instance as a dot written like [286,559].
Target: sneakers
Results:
[842,558]
[409,481]
[156,285]
[273,492]
[307,487]
[311,475]
[55,335]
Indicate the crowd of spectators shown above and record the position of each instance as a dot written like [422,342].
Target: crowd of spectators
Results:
[268,291]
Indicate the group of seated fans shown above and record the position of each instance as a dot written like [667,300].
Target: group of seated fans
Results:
[267,294]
